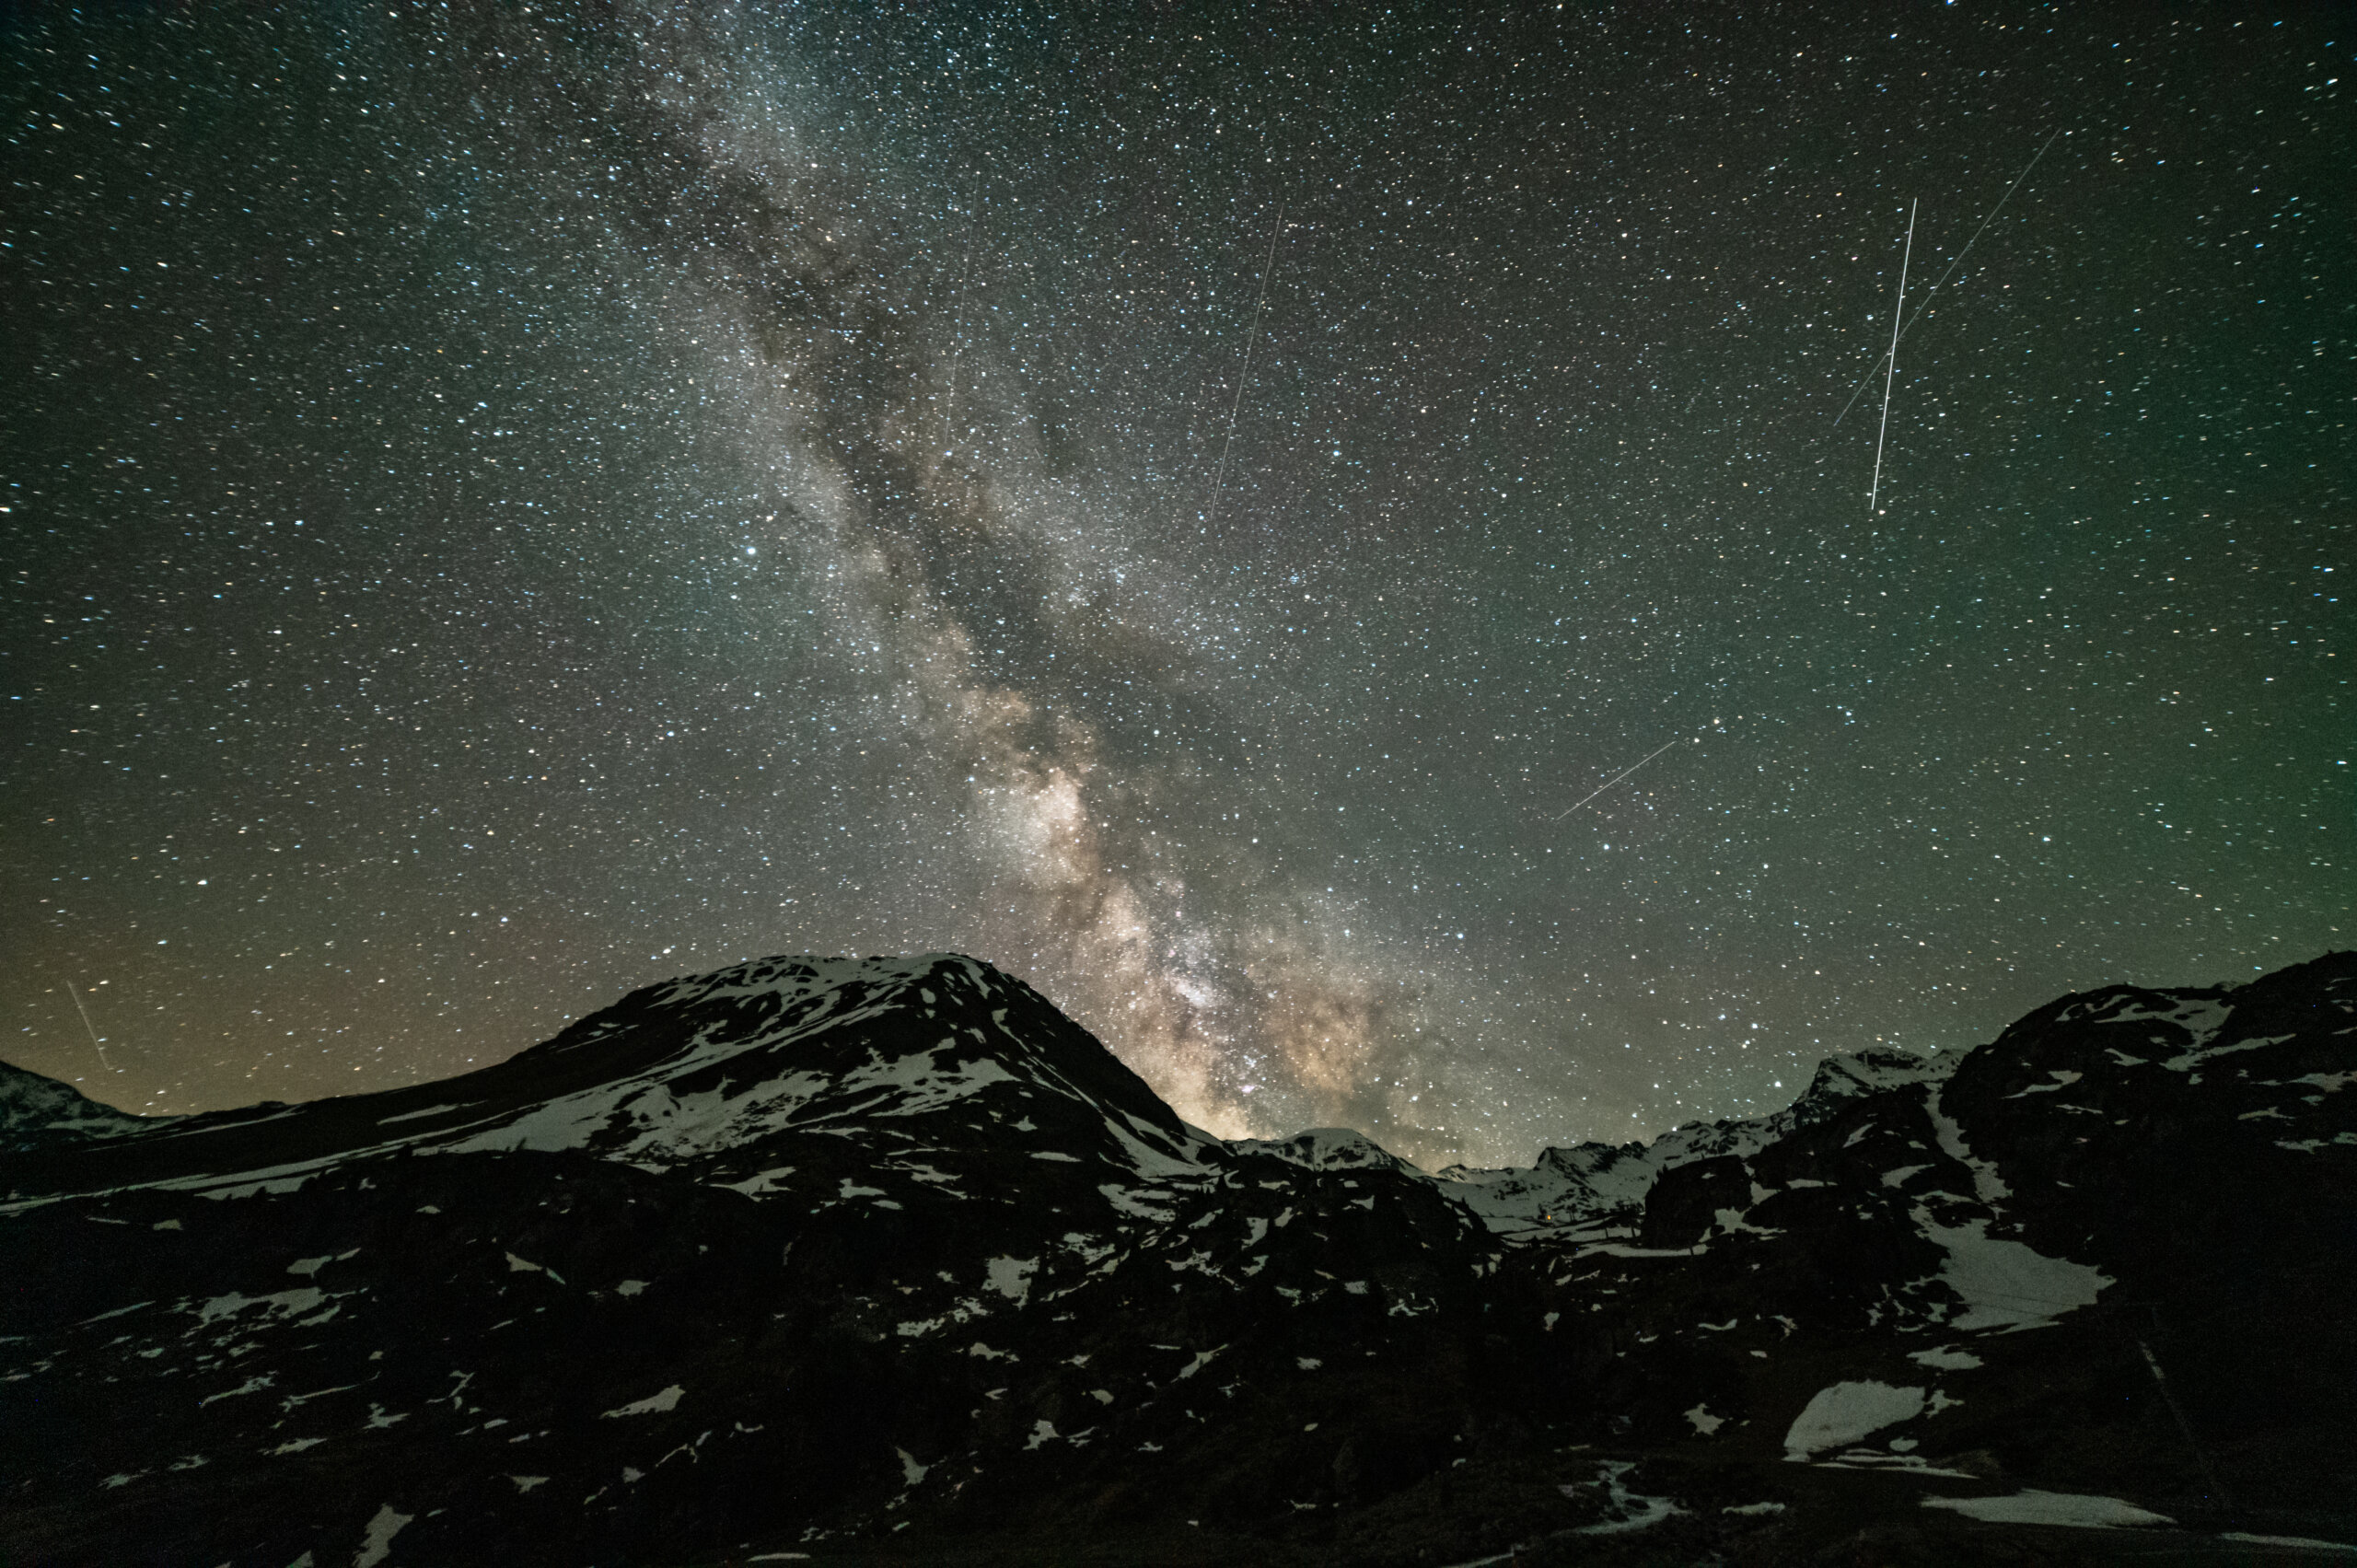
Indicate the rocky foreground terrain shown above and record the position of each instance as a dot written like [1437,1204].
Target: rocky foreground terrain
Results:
[886,1262]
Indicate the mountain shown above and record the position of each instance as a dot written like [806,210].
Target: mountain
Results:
[38,1112]
[1596,1180]
[886,1261]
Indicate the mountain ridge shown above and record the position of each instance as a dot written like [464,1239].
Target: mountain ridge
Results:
[23,1096]
[859,1257]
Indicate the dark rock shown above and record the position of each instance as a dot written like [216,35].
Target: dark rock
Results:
[1685,1201]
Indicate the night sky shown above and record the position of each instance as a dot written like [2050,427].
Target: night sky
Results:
[506,505]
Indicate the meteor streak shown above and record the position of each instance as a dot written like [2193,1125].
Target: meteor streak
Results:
[1219,482]
[1614,780]
[1891,371]
[96,1043]
[1943,277]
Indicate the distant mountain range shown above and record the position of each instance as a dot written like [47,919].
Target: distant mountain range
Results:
[887,1261]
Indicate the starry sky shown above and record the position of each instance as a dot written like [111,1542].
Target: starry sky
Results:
[1192,503]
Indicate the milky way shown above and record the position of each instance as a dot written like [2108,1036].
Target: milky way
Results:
[508,504]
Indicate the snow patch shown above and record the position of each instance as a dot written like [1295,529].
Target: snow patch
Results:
[283,1304]
[2063,1078]
[2051,1508]
[1846,1413]
[414,1115]
[2187,1060]
[1946,1359]
[1987,1185]
[654,1404]
[759,1185]
[378,1543]
[2006,1285]
[1011,1277]
[1202,1359]
[1133,1203]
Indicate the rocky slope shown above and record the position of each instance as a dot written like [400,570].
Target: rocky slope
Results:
[886,1261]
